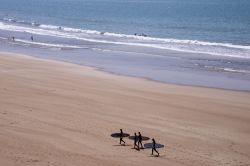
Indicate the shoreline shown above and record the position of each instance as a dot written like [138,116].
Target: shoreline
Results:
[135,56]
[167,83]
[126,75]
[58,113]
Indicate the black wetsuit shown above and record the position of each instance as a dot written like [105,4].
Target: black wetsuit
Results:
[135,140]
[154,149]
[121,136]
[139,141]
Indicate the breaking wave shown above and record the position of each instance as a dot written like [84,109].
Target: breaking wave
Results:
[191,46]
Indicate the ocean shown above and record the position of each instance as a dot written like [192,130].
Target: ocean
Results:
[194,42]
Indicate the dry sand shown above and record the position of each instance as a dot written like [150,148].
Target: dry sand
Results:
[60,114]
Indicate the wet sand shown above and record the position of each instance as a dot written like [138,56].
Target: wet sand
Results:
[55,113]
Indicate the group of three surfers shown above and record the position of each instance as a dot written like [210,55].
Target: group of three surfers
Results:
[138,142]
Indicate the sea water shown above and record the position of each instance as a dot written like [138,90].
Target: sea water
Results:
[194,42]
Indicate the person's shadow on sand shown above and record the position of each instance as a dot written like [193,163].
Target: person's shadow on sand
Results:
[155,155]
[122,145]
[135,149]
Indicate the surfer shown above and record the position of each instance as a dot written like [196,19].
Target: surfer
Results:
[121,137]
[31,38]
[13,38]
[140,141]
[135,141]
[153,148]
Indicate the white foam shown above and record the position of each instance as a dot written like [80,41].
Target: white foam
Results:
[3,38]
[177,41]
[237,71]
[190,46]
[46,44]
[169,40]
[48,26]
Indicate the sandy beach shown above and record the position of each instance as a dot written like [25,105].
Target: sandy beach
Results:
[60,114]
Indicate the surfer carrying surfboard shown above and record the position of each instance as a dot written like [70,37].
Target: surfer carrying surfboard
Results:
[121,137]
[135,141]
[140,141]
[154,148]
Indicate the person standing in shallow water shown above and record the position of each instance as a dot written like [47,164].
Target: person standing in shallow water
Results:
[140,141]
[153,148]
[121,137]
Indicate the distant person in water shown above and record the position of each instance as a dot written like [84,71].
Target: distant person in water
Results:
[135,141]
[140,141]
[121,137]
[153,148]
[13,38]
[31,38]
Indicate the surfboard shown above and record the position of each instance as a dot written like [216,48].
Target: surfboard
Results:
[143,138]
[150,145]
[118,135]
